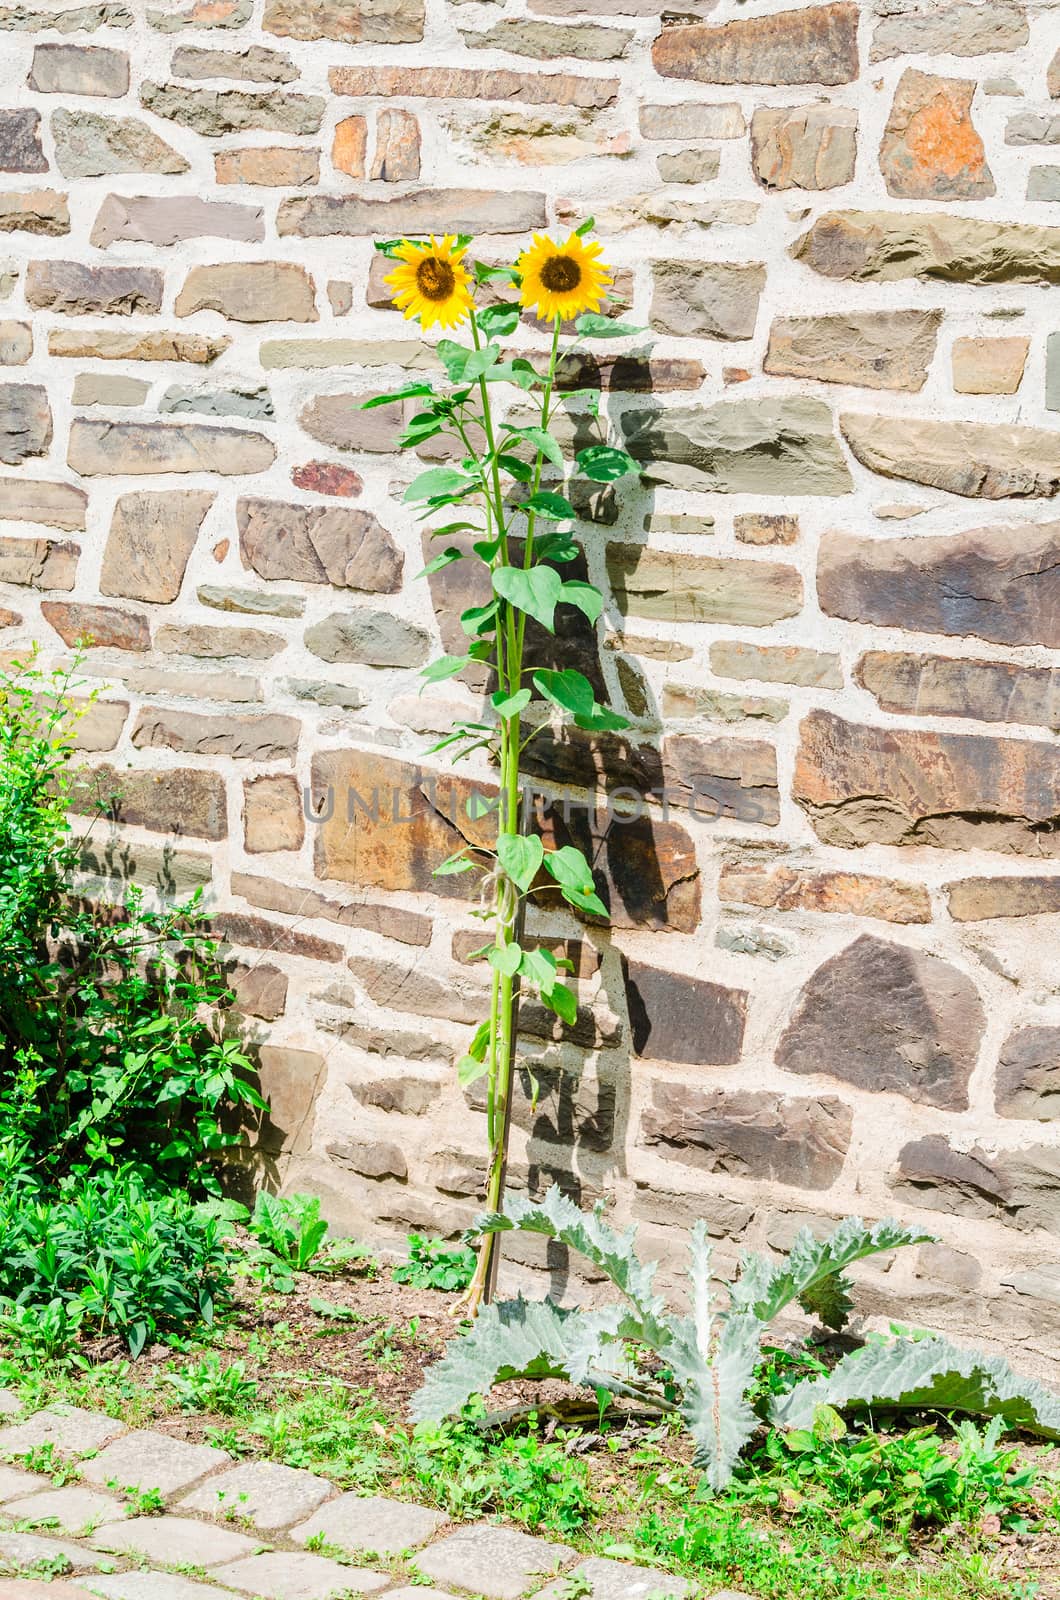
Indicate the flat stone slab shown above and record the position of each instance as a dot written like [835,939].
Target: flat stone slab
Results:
[370,1522]
[9,1404]
[30,1589]
[614,1580]
[261,1492]
[20,1550]
[69,1510]
[296,1575]
[73,1432]
[14,1482]
[498,1562]
[419,1591]
[150,1460]
[175,1541]
[145,1586]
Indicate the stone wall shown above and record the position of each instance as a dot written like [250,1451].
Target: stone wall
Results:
[834,595]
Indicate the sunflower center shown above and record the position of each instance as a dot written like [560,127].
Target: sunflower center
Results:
[435,278]
[561,274]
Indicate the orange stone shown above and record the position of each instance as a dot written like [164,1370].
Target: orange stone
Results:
[803,889]
[930,149]
[350,146]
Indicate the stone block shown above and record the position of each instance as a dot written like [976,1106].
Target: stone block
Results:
[499,1563]
[175,1541]
[266,1494]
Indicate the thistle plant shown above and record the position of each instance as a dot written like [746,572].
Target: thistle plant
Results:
[490,498]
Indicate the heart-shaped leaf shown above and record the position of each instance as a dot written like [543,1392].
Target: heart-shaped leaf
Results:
[536,591]
[521,856]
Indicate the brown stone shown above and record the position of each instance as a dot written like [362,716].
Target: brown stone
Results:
[749,1134]
[760,446]
[930,149]
[152,535]
[349,147]
[351,21]
[722,778]
[693,119]
[975,899]
[327,477]
[706,299]
[107,344]
[318,544]
[260,990]
[683,1019]
[692,700]
[776,663]
[371,1158]
[803,147]
[76,290]
[337,420]
[38,563]
[883,246]
[243,737]
[251,602]
[989,366]
[272,814]
[162,868]
[903,786]
[217,643]
[784,888]
[644,868]
[273,167]
[1017,1187]
[20,142]
[947,27]
[104,626]
[416,213]
[253,64]
[290,1080]
[628,374]
[88,145]
[999,583]
[370,638]
[890,1019]
[760,527]
[79,69]
[104,448]
[202,14]
[169,219]
[250,291]
[109,389]
[875,349]
[40,211]
[1028,1075]
[404,986]
[406,1094]
[948,686]
[58,505]
[388,921]
[475,83]
[25,422]
[216,112]
[664,585]
[556,1107]
[817,44]
[177,801]
[239,929]
[397,147]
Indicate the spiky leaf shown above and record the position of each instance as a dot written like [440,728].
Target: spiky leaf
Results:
[715,1405]
[914,1374]
[767,1289]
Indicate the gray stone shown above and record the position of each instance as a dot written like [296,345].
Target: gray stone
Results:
[72,1431]
[16,1484]
[804,147]
[706,299]
[416,213]
[749,1134]
[251,602]
[664,585]
[88,145]
[169,219]
[615,1580]
[79,69]
[150,1586]
[66,19]
[814,44]
[497,1562]
[25,422]
[765,446]
[373,638]
[978,460]
[150,1460]
[682,1019]
[776,663]
[351,21]
[1043,183]
[347,548]
[255,63]
[356,1522]
[74,1510]
[947,27]
[523,36]
[251,401]
[954,686]
[16,343]
[889,1019]
[176,1541]
[201,14]
[109,389]
[1028,1075]
[689,166]
[243,737]
[693,119]
[10,1405]
[296,1575]
[883,246]
[105,448]
[266,1494]
[171,872]
[1033,127]
[215,112]
[1052,370]
[34,1552]
[20,142]
[76,290]
[876,349]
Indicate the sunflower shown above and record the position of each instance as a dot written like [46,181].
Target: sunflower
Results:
[431,283]
[559,280]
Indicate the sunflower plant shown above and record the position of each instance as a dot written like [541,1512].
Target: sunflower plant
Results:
[490,497]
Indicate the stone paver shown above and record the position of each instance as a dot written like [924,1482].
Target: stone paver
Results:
[147,1586]
[29,1589]
[369,1522]
[9,1405]
[263,1492]
[21,1550]
[69,1510]
[498,1562]
[614,1580]
[15,1482]
[419,1591]
[150,1460]
[296,1575]
[175,1541]
[73,1432]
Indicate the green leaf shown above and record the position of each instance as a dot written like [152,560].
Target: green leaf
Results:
[454,865]
[570,690]
[551,506]
[541,440]
[540,967]
[601,719]
[496,322]
[521,856]
[591,325]
[446,559]
[453,357]
[570,869]
[411,391]
[586,227]
[604,463]
[509,705]
[506,961]
[586,596]
[468,1071]
[519,372]
[479,361]
[557,545]
[444,667]
[563,1001]
[438,481]
[478,619]
[485,274]
[535,591]
[767,1289]
[521,471]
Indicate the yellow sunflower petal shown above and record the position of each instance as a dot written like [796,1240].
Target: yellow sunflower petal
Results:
[562,280]
[430,283]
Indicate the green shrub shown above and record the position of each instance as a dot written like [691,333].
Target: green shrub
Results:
[104,1254]
[434,1265]
[111,1047]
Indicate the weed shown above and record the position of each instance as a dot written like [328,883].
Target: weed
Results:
[432,1264]
[211,1386]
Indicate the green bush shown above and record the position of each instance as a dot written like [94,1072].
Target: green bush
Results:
[432,1264]
[111,1045]
[103,1254]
